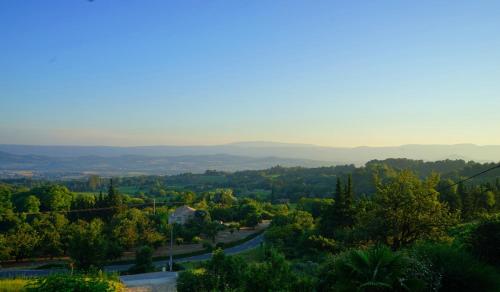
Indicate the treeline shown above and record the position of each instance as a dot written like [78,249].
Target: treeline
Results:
[279,183]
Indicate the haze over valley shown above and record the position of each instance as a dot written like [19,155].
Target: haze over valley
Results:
[71,161]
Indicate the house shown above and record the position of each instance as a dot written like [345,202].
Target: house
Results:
[182,215]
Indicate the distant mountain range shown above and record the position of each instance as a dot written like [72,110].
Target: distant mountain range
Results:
[108,160]
[13,165]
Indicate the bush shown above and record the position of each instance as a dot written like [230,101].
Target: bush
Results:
[192,280]
[207,246]
[274,274]
[196,239]
[219,245]
[457,270]
[375,269]
[143,261]
[74,283]
[221,273]
[484,241]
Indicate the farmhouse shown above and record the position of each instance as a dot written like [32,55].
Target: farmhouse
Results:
[182,215]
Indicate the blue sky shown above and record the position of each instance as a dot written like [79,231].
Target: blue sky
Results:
[337,73]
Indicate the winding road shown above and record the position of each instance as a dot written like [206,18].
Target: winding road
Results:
[247,245]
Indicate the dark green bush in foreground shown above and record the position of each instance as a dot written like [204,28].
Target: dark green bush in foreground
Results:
[375,269]
[484,241]
[456,270]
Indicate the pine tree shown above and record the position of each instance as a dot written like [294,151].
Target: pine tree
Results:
[100,200]
[330,216]
[349,193]
[467,200]
[342,213]
[114,198]
[343,206]
[339,193]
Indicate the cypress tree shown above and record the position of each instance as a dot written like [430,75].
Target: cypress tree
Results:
[114,198]
[349,193]
[339,193]
[467,200]
[341,214]
[100,200]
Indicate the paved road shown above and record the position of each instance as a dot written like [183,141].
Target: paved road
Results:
[159,281]
[252,243]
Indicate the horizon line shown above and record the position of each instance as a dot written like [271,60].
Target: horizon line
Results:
[248,144]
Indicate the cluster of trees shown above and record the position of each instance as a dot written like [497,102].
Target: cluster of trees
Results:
[404,237]
[411,219]
[423,267]
[92,228]
[222,273]
[47,221]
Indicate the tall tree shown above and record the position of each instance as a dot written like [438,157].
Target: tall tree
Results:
[31,204]
[343,209]
[467,201]
[88,245]
[339,193]
[114,198]
[349,192]
[407,209]
[450,194]
[335,216]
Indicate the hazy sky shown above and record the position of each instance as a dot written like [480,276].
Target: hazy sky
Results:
[339,73]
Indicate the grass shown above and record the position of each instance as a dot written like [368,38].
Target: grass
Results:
[7,285]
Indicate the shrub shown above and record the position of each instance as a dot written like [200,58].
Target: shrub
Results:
[484,241]
[179,240]
[143,260]
[457,270]
[196,239]
[375,269]
[74,283]
[207,246]
[221,273]
[192,280]
[274,274]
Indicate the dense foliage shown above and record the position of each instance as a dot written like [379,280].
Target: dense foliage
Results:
[393,225]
